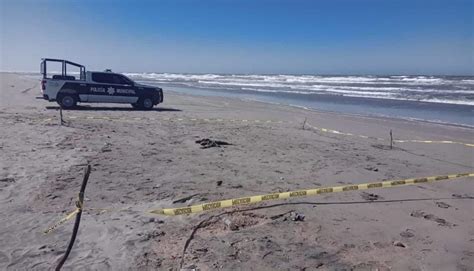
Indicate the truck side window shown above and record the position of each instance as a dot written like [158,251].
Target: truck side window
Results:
[125,80]
[120,80]
[107,78]
[103,78]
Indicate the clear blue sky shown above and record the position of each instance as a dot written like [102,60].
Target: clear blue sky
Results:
[311,37]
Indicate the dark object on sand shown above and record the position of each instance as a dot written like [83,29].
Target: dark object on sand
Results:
[4,182]
[183,200]
[297,217]
[61,120]
[465,196]
[209,143]
[370,196]
[399,244]
[441,204]
[281,215]
[79,204]
[391,139]
[7,180]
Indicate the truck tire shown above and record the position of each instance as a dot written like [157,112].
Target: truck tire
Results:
[145,103]
[67,101]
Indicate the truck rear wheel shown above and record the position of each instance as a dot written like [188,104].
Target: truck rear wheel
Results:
[67,101]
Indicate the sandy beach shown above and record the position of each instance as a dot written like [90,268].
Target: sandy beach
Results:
[142,160]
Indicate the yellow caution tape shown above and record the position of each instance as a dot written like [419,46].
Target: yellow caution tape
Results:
[167,119]
[79,207]
[269,197]
[301,193]
[325,130]
[434,142]
[62,221]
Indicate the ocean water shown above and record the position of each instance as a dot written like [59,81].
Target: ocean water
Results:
[444,99]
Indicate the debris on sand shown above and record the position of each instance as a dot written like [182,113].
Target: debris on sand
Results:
[230,224]
[398,244]
[183,200]
[106,147]
[371,168]
[281,215]
[407,233]
[441,204]
[4,182]
[465,196]
[239,221]
[209,143]
[293,216]
[145,237]
[370,196]
[7,180]
[297,217]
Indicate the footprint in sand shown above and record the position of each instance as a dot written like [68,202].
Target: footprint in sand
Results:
[408,233]
[4,258]
[4,182]
[431,217]
[441,204]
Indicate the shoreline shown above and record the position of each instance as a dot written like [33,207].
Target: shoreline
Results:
[349,115]
[393,108]
[374,116]
[425,111]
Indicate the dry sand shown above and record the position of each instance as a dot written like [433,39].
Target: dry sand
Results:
[151,162]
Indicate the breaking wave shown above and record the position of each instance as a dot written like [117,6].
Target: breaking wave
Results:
[435,89]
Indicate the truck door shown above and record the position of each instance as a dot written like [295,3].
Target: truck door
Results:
[111,88]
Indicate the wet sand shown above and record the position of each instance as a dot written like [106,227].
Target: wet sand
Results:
[150,160]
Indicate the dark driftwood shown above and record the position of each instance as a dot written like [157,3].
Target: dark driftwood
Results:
[79,203]
[391,139]
[209,143]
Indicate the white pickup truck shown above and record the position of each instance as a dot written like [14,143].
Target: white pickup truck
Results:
[94,87]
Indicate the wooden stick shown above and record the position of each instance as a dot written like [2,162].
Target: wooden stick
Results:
[79,204]
[391,139]
[61,121]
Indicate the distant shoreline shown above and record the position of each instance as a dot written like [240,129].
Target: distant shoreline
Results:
[447,114]
[457,125]
[448,101]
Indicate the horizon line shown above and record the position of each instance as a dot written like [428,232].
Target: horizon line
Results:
[295,74]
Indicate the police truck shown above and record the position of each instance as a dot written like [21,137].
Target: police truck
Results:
[73,84]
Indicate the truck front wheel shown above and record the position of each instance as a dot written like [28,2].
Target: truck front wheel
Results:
[145,103]
[67,101]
